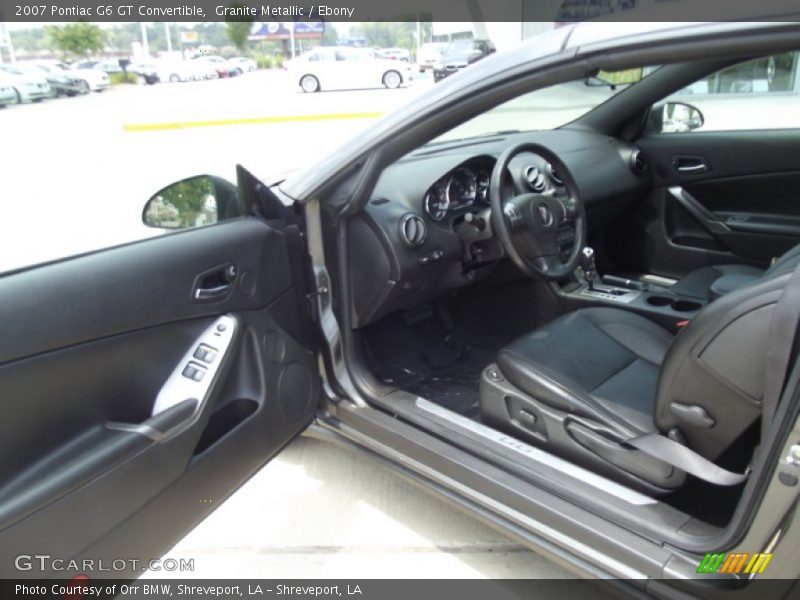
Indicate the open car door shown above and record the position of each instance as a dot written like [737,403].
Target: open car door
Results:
[142,384]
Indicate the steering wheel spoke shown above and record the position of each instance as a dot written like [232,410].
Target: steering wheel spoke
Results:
[528,224]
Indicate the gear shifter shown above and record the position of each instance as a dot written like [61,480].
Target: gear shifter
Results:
[587,264]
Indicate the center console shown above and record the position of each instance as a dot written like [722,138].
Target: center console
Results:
[668,309]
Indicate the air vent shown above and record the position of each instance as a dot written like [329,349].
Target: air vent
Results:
[554,175]
[413,230]
[535,179]
[638,162]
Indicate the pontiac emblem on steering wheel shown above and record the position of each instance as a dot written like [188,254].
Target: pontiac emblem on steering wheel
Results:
[545,215]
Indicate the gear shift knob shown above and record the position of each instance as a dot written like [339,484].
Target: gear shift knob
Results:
[587,264]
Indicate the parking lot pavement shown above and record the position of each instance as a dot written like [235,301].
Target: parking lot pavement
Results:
[321,511]
[79,179]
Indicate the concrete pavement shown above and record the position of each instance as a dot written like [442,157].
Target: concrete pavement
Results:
[321,511]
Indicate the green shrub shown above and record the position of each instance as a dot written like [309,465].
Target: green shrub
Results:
[121,78]
[262,61]
[266,61]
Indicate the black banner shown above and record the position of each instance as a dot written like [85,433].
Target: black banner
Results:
[390,10]
[368,589]
[83,588]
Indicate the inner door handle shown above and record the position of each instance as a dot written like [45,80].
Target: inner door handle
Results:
[212,292]
[689,164]
[215,283]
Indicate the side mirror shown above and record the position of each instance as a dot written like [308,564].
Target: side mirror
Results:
[675,117]
[193,202]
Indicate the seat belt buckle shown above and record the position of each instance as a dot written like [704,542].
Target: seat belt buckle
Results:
[682,324]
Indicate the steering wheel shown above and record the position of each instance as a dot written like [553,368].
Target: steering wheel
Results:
[528,224]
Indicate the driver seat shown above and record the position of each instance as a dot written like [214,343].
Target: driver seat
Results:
[590,381]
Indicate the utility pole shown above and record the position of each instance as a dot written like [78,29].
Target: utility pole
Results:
[145,43]
[5,40]
[169,37]
[291,36]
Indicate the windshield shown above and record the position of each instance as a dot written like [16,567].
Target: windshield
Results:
[460,47]
[547,108]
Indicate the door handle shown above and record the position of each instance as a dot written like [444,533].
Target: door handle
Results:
[699,168]
[690,164]
[212,292]
[215,283]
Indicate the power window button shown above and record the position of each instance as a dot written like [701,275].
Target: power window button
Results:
[193,373]
[205,353]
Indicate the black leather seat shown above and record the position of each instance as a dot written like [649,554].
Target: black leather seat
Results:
[709,283]
[591,380]
[595,362]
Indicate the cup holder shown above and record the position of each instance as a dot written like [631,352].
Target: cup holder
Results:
[659,300]
[686,305]
[676,304]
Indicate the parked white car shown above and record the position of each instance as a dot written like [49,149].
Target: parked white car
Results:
[394,54]
[91,80]
[172,70]
[342,67]
[28,86]
[203,69]
[244,64]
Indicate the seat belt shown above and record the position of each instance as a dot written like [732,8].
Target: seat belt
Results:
[782,332]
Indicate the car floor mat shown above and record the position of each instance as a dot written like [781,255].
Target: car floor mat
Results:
[445,375]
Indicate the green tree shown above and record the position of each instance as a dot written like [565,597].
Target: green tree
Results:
[78,39]
[238,29]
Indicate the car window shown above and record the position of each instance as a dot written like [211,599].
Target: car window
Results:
[321,56]
[348,55]
[763,93]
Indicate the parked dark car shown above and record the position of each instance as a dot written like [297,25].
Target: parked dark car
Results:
[459,54]
[63,82]
[146,73]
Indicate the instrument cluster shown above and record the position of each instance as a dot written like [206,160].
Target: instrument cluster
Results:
[461,188]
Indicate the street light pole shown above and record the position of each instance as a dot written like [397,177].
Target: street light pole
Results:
[169,37]
[145,43]
[5,39]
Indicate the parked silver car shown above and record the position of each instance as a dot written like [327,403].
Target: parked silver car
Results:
[28,86]
[8,95]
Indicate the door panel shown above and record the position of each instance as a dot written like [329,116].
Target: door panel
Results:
[744,208]
[90,344]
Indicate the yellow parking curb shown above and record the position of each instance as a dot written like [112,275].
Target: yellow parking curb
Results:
[250,121]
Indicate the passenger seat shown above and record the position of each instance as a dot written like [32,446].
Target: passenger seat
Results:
[709,283]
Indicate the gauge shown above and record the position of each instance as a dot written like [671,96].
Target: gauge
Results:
[482,180]
[462,189]
[436,203]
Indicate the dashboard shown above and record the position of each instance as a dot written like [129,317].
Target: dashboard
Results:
[427,228]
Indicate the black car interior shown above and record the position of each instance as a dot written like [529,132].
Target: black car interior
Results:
[580,289]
